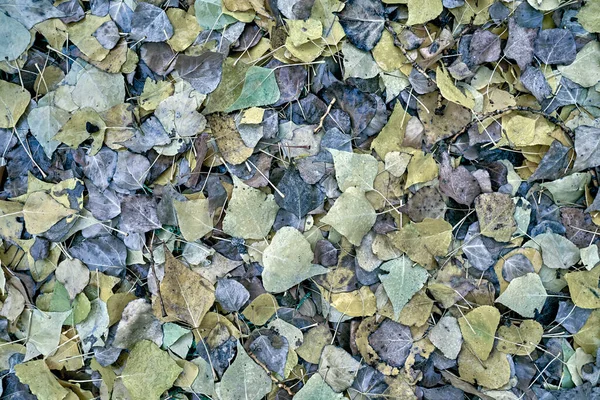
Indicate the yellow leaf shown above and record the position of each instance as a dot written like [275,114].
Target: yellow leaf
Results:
[422,168]
[451,92]
[261,309]
[42,211]
[422,11]
[185,294]
[13,102]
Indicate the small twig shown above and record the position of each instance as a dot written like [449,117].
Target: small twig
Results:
[331,103]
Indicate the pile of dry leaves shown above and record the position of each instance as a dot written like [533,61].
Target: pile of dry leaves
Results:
[318,199]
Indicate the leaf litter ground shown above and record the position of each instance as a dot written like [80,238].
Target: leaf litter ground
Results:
[248,199]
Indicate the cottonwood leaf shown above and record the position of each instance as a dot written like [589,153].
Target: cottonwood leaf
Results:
[520,44]
[317,389]
[555,46]
[138,214]
[15,38]
[358,63]
[194,217]
[420,13]
[557,251]
[137,322]
[451,92]
[149,371]
[583,287]
[446,336]
[103,204]
[43,330]
[568,189]
[107,34]
[524,295]
[231,295]
[260,89]
[84,123]
[520,340]
[392,342]
[534,80]
[261,309]
[40,380]
[353,169]
[476,250]
[97,89]
[363,22]
[516,266]
[44,122]
[74,275]
[426,203]
[554,164]
[203,72]
[423,241]
[402,282]
[186,296]
[41,212]
[244,379]
[302,32]
[589,16]
[150,24]
[478,328]
[209,14]
[587,147]
[495,212]
[271,349]
[337,368]
[571,317]
[288,261]
[95,325]
[250,212]
[300,197]
[458,183]
[352,215]
[105,254]
[491,373]
[178,115]
[13,101]
[484,47]
[585,70]
[30,12]
[314,342]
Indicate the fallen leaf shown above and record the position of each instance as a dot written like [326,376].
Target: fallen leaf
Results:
[479,328]
[186,296]
[149,371]
[288,261]
[524,295]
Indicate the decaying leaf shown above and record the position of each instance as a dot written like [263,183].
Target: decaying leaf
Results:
[185,295]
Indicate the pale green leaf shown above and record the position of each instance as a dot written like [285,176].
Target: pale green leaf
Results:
[244,379]
[524,295]
[250,212]
[260,89]
[403,281]
[194,217]
[351,215]
[352,169]
[288,261]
